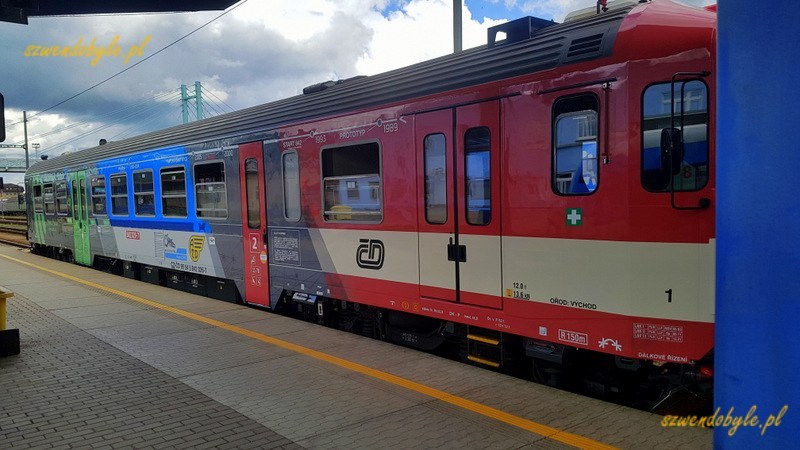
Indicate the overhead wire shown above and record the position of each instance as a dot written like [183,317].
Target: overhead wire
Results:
[211,93]
[212,105]
[137,128]
[147,58]
[169,97]
[140,127]
[172,97]
[110,114]
[103,127]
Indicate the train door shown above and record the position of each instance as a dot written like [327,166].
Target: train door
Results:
[437,229]
[80,218]
[459,217]
[254,223]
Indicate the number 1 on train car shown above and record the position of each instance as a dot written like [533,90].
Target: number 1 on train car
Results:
[80,218]
[254,224]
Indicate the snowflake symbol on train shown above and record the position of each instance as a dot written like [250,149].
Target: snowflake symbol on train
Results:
[605,341]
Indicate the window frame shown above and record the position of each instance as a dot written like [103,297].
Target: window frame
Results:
[252,194]
[38,205]
[330,216]
[63,199]
[102,196]
[556,116]
[165,195]
[468,218]
[51,211]
[299,206]
[126,196]
[195,184]
[444,180]
[145,194]
[708,160]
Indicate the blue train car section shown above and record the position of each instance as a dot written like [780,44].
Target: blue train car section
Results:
[162,215]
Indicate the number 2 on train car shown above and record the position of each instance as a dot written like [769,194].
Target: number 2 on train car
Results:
[254,224]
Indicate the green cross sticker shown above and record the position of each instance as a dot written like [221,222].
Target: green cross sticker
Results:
[574,217]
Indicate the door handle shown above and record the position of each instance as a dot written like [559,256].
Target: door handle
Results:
[456,252]
[451,251]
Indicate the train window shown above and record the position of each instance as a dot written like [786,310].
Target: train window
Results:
[211,194]
[575,152]
[38,204]
[119,195]
[49,199]
[686,109]
[144,198]
[477,146]
[251,193]
[98,187]
[62,207]
[351,182]
[435,179]
[291,186]
[173,192]
[82,206]
[75,199]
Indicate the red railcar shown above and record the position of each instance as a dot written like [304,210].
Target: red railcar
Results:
[544,202]
[542,215]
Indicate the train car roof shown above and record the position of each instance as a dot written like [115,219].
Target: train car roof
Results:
[543,47]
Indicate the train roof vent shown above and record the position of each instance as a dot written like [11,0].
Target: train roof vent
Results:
[515,30]
[319,87]
[585,47]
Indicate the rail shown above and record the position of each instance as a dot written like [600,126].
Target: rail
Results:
[14,232]
[10,226]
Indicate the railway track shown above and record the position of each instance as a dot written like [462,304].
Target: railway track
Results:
[12,231]
[6,218]
[13,227]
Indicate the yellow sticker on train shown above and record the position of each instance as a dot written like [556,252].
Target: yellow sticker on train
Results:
[196,247]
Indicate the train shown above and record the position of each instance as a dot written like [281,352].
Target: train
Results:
[542,204]
[13,206]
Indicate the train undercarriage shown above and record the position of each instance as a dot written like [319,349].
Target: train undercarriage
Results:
[662,388]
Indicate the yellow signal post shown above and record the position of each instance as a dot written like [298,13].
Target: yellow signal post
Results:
[9,339]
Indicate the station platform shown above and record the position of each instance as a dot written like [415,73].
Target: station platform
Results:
[108,362]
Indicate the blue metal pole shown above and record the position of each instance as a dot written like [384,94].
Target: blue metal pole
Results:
[758,225]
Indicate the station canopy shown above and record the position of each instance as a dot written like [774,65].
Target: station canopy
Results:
[18,11]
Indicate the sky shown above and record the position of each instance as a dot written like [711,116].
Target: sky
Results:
[257,52]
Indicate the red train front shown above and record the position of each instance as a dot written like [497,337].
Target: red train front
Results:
[548,217]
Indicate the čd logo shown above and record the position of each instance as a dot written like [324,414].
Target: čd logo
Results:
[196,246]
[369,254]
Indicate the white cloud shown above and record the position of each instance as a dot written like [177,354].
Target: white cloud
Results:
[420,31]
[259,52]
[294,20]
